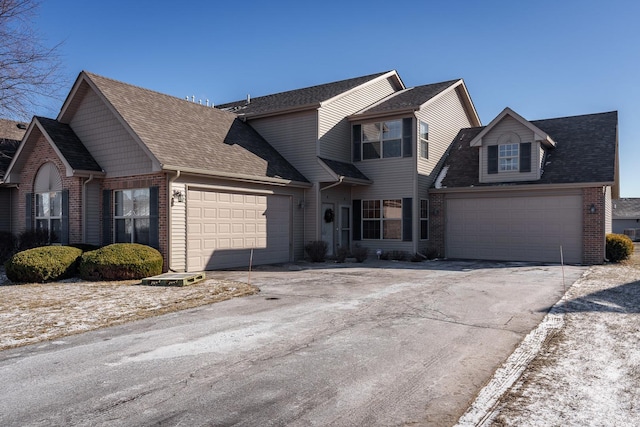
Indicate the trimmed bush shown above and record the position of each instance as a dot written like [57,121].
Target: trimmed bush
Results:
[394,256]
[30,239]
[360,253]
[317,250]
[619,247]
[8,243]
[342,254]
[43,264]
[121,261]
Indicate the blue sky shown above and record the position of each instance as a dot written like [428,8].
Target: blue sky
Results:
[541,58]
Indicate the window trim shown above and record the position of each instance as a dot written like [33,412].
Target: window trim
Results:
[133,218]
[48,218]
[424,218]
[513,157]
[424,142]
[398,139]
[381,219]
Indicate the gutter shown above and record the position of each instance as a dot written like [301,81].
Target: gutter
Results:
[515,187]
[239,177]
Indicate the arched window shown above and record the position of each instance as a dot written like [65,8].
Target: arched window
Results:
[48,199]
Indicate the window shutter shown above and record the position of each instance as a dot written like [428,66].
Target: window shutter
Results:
[357,220]
[407,137]
[492,155]
[407,223]
[525,157]
[154,226]
[106,217]
[357,142]
[28,211]
[64,226]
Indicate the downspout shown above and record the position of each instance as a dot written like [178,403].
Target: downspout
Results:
[84,208]
[170,181]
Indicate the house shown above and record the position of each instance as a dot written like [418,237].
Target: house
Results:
[626,217]
[11,132]
[364,161]
[528,190]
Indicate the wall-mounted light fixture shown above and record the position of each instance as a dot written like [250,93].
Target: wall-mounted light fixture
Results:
[178,195]
[592,209]
[300,204]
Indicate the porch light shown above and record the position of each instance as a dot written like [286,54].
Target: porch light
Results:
[592,209]
[178,195]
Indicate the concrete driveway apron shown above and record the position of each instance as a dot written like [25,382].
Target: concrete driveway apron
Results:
[379,343]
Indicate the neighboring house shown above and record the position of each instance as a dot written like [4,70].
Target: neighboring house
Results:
[11,132]
[521,190]
[352,162]
[626,217]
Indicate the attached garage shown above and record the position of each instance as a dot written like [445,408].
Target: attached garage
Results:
[223,227]
[514,227]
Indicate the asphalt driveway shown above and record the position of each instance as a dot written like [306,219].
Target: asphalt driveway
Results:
[377,344]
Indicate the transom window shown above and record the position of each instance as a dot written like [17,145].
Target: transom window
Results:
[382,219]
[49,214]
[424,140]
[508,157]
[424,219]
[382,140]
[132,216]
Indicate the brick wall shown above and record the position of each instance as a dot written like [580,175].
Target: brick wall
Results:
[436,224]
[593,226]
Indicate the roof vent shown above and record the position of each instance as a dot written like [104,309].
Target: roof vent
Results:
[21,126]
[248,99]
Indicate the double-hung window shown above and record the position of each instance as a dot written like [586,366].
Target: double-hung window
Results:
[382,140]
[49,214]
[508,156]
[424,219]
[424,140]
[131,219]
[382,219]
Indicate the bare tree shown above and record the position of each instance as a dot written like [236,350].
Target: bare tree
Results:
[29,71]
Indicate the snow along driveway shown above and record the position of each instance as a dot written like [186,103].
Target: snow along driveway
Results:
[581,365]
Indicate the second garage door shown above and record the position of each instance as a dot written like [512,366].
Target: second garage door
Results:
[515,228]
[223,227]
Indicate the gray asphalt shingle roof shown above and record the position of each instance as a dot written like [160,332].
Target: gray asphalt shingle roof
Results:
[410,98]
[69,145]
[10,136]
[585,152]
[183,134]
[626,208]
[347,170]
[309,96]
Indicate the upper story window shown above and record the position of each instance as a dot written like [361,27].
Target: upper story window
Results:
[131,219]
[424,140]
[508,156]
[382,140]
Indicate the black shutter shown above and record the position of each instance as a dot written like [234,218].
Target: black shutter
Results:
[407,222]
[28,211]
[154,226]
[407,137]
[357,142]
[64,227]
[357,220]
[525,157]
[106,217]
[492,166]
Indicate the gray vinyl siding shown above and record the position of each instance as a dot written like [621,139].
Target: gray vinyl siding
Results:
[334,130]
[445,117]
[107,139]
[509,124]
[619,225]
[5,209]
[92,213]
[178,256]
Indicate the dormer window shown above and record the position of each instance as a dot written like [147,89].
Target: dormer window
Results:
[508,156]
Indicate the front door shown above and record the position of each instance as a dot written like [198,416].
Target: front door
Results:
[345,227]
[328,221]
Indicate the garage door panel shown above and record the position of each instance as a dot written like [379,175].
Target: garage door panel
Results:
[225,226]
[515,228]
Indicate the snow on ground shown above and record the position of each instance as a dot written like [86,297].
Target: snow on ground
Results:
[581,366]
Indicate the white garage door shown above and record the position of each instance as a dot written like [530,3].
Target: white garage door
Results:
[223,227]
[515,228]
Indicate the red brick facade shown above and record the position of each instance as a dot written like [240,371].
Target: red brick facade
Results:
[437,224]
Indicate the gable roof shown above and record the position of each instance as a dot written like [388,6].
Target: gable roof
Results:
[11,133]
[539,134]
[345,172]
[185,136]
[627,208]
[586,152]
[302,99]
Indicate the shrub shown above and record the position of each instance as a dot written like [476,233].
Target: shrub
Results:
[619,247]
[43,264]
[8,243]
[342,254]
[317,250]
[30,239]
[417,257]
[121,261]
[394,255]
[432,253]
[360,253]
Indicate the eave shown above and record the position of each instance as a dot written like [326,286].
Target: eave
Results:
[237,177]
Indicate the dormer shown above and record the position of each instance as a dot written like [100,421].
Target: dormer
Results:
[512,149]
